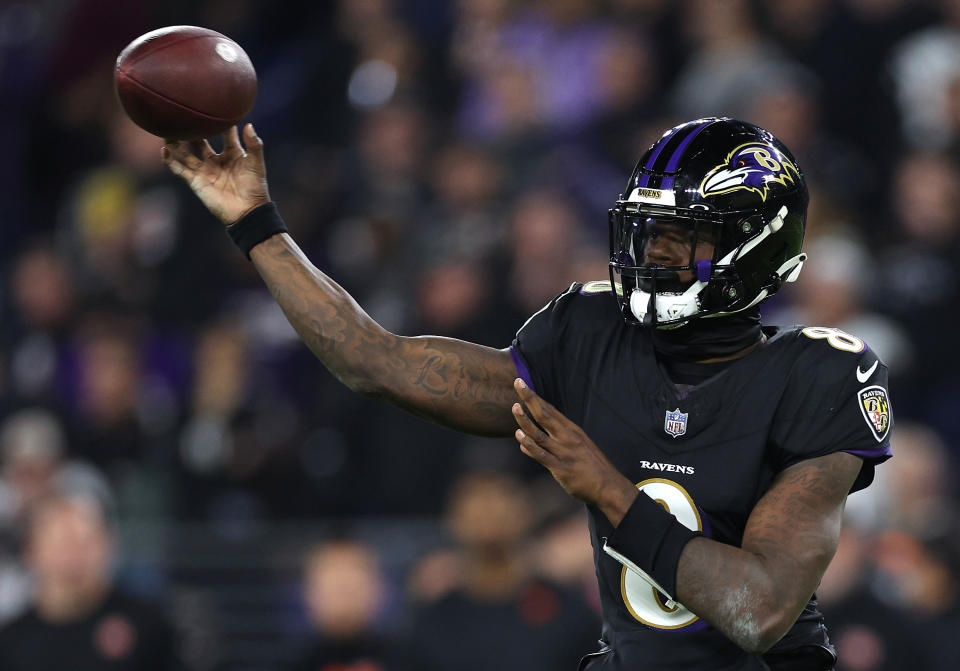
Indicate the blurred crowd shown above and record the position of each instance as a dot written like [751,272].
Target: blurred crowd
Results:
[450,164]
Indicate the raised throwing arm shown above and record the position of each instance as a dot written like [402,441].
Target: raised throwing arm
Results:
[454,383]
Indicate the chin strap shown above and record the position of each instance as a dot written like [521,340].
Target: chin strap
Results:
[668,306]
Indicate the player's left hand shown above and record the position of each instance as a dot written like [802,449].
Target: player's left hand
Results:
[574,460]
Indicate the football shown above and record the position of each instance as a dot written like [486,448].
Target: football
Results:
[185,82]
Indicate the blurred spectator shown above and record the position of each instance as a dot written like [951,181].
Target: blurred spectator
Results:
[628,75]
[497,614]
[922,577]
[544,236]
[236,444]
[562,552]
[345,593]
[34,467]
[918,494]
[925,68]
[466,219]
[729,56]
[462,233]
[541,71]
[452,300]
[391,143]
[109,379]
[78,619]
[42,291]
[920,282]
[832,291]
[869,634]
[43,307]
[902,550]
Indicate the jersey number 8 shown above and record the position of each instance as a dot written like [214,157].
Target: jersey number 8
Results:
[644,602]
[836,338]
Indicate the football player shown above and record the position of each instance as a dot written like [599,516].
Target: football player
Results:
[714,454]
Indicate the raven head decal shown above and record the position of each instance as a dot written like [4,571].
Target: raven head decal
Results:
[753,166]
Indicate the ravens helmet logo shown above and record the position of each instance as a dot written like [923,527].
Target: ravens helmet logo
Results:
[753,166]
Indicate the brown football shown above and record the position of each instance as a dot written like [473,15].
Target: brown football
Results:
[185,82]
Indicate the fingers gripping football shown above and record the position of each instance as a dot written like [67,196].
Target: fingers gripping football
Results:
[230,183]
[254,144]
[179,159]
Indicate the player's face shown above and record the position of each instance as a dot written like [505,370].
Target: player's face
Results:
[672,244]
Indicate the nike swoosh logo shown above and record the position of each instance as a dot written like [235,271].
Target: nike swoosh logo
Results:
[864,375]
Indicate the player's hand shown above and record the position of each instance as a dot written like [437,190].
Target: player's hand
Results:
[230,183]
[574,460]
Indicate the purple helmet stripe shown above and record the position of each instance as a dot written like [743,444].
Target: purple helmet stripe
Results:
[661,144]
[664,140]
[678,154]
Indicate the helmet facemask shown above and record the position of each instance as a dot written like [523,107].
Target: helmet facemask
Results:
[673,265]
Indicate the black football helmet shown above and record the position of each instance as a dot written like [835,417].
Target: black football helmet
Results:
[718,181]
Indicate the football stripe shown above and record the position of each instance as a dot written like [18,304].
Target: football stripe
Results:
[171,101]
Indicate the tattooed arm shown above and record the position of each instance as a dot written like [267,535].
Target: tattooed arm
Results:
[753,593]
[458,384]
[756,592]
[454,383]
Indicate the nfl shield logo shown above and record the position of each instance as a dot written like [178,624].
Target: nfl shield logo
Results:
[675,423]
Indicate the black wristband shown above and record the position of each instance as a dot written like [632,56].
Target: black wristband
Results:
[653,539]
[256,226]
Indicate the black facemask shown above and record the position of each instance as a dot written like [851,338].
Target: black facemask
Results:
[703,339]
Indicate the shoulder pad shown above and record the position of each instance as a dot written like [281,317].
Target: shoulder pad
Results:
[830,349]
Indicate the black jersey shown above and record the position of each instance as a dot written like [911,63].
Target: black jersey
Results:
[121,634]
[709,452]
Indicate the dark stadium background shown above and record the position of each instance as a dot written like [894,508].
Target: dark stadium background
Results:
[451,164]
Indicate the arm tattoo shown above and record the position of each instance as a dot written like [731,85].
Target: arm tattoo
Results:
[433,366]
[458,384]
[755,593]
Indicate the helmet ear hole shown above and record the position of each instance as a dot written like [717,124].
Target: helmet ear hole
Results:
[750,226]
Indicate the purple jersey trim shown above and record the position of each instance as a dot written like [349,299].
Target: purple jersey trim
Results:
[880,453]
[699,625]
[522,369]
[705,523]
